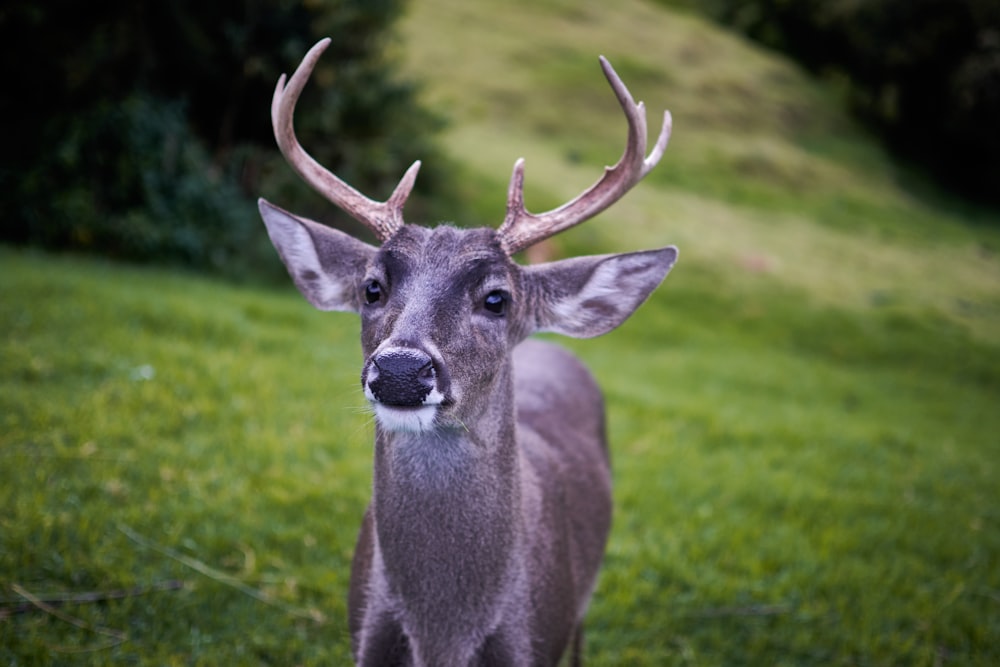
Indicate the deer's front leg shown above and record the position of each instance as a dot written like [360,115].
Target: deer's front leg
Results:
[384,644]
[496,651]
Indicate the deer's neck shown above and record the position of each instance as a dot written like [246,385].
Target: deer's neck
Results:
[447,514]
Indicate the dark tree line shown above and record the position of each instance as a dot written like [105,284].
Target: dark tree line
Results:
[141,129]
[924,73]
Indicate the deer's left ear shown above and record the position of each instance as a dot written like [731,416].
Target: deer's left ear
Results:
[585,297]
[326,264]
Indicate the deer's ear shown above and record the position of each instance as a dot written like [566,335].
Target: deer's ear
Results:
[326,264]
[589,296]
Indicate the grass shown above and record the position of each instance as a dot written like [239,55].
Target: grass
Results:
[803,418]
[137,402]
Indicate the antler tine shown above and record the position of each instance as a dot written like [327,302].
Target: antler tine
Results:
[521,229]
[383,218]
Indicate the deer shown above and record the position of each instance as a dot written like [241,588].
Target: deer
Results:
[491,496]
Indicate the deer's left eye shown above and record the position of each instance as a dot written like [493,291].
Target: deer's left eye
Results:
[496,302]
[373,292]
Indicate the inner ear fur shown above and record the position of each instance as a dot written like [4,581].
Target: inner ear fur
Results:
[585,297]
[326,264]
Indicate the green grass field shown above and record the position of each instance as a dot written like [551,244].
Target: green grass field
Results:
[805,419]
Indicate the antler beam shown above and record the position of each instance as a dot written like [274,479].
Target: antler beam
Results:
[383,218]
[521,229]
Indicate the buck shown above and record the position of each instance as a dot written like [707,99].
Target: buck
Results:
[491,500]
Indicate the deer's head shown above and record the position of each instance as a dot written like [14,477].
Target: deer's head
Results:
[441,308]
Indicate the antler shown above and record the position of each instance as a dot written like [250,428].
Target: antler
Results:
[383,218]
[521,229]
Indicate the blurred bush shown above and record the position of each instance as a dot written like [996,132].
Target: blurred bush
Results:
[141,130]
[925,73]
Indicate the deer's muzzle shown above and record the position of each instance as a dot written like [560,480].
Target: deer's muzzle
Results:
[403,377]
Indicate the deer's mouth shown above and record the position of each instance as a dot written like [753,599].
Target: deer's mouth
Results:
[406,418]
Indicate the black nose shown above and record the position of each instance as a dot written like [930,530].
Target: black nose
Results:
[402,377]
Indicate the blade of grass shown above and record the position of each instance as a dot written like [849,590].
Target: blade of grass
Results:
[221,577]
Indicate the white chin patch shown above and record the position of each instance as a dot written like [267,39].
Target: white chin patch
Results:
[406,420]
[418,419]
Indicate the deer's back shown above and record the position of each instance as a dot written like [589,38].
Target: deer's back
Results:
[557,397]
[561,429]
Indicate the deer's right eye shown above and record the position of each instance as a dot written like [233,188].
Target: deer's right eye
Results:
[373,292]
[496,302]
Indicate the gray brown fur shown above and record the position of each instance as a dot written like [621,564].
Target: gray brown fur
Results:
[487,528]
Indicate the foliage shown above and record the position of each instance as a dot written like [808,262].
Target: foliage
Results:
[137,184]
[926,74]
[142,129]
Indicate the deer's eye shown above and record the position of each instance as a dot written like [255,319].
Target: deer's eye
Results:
[496,302]
[373,292]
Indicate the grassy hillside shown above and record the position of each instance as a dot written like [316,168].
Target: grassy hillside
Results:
[803,419]
[766,179]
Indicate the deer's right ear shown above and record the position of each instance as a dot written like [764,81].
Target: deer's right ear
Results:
[326,264]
